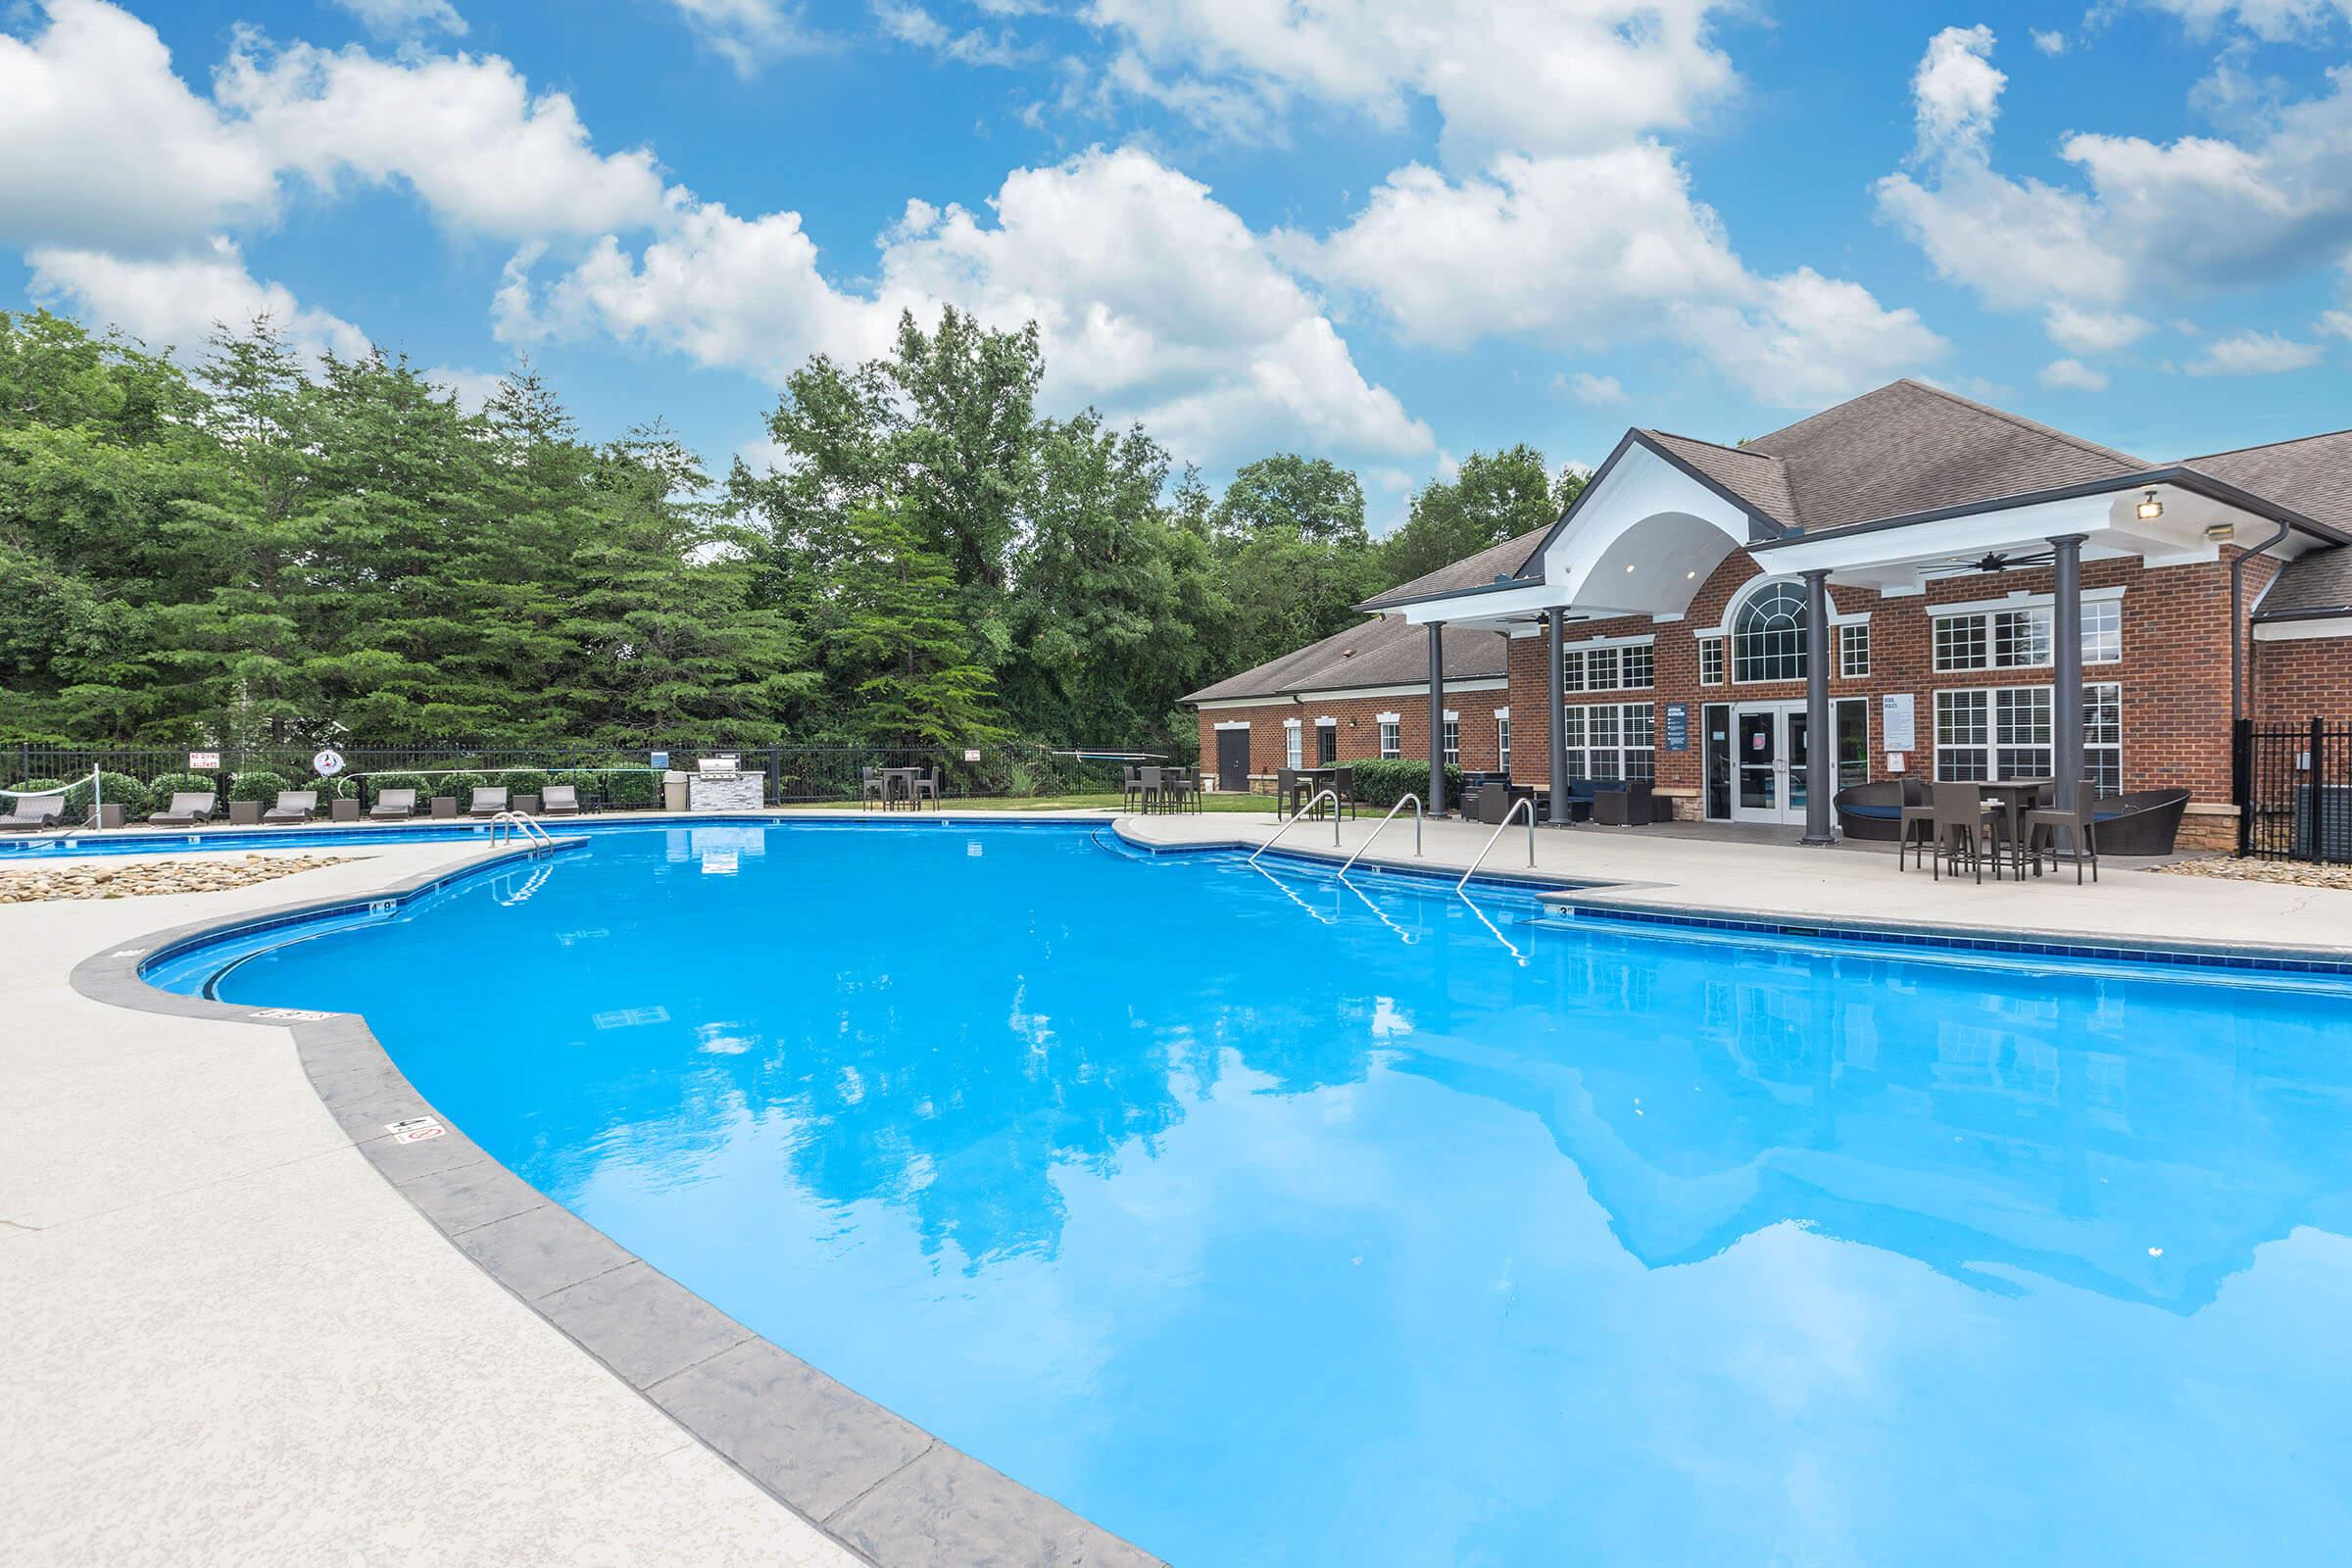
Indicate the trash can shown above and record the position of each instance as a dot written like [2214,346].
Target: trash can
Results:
[673,791]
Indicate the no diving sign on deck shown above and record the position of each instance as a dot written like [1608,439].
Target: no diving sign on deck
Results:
[416,1130]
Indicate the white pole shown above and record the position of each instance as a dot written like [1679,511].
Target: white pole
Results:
[97,795]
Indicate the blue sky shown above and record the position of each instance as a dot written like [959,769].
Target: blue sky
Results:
[1391,233]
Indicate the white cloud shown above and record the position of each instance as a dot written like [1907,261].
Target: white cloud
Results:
[467,135]
[2336,324]
[1606,247]
[102,145]
[2080,331]
[2049,43]
[471,388]
[1534,75]
[2254,354]
[749,33]
[1153,300]
[406,19]
[2271,20]
[178,301]
[2074,375]
[1598,390]
[2186,215]
[912,25]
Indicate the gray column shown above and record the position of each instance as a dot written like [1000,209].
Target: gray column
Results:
[1821,746]
[2066,669]
[1436,717]
[1557,711]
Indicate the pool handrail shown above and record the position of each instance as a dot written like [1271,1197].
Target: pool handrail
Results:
[1296,816]
[1525,802]
[1408,799]
[523,825]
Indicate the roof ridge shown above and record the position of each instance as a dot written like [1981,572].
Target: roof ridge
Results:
[1702,441]
[2020,420]
[2265,446]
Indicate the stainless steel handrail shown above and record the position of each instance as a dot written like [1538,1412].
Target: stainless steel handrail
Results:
[1332,796]
[524,824]
[1413,801]
[1525,802]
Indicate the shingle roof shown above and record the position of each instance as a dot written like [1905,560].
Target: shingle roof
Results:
[1379,652]
[1505,560]
[2317,581]
[1757,477]
[1909,447]
[2312,475]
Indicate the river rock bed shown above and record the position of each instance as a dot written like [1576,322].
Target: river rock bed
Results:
[2279,873]
[133,879]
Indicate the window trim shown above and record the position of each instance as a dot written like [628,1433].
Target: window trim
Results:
[1985,611]
[1577,722]
[1992,747]
[1850,632]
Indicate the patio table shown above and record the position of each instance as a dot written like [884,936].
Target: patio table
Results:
[898,783]
[2017,797]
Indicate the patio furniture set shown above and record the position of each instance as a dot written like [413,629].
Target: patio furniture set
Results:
[893,787]
[2010,823]
[1160,789]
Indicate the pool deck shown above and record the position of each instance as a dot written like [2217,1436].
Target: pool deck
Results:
[229,1337]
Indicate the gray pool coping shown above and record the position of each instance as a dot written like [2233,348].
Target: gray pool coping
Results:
[878,1484]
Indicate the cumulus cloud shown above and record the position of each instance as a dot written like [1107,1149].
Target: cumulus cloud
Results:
[2336,324]
[1605,247]
[2253,353]
[177,301]
[2073,375]
[406,19]
[749,34]
[1153,299]
[2083,332]
[1531,76]
[914,25]
[2049,43]
[2271,20]
[101,144]
[1598,390]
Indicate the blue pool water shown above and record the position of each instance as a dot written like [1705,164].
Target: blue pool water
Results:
[1266,1220]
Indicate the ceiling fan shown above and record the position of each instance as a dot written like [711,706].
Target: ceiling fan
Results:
[1991,561]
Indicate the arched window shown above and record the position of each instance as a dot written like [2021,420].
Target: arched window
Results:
[1768,636]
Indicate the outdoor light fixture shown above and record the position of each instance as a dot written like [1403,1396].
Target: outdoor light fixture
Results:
[2221,533]
[2152,509]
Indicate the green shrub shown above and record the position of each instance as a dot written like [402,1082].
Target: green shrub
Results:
[258,785]
[521,781]
[342,787]
[459,786]
[1384,781]
[629,789]
[120,789]
[377,783]
[164,786]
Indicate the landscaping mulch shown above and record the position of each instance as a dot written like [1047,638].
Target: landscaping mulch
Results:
[89,879]
[2280,873]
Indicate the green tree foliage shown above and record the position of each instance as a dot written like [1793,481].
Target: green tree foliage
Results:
[262,548]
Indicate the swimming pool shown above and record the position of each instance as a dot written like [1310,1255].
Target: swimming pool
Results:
[1264,1219]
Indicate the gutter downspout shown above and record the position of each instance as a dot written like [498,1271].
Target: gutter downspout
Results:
[2239,631]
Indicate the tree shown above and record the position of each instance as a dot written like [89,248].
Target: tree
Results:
[1312,497]
[1292,557]
[909,656]
[1492,497]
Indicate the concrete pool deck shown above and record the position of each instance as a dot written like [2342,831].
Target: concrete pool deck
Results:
[229,1337]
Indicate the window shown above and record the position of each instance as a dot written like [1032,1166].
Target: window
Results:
[1767,640]
[2020,639]
[1610,740]
[1711,661]
[1607,669]
[1601,669]
[1389,743]
[2009,732]
[1327,745]
[1502,742]
[1292,742]
[1640,669]
[1454,741]
[1572,670]
[1853,651]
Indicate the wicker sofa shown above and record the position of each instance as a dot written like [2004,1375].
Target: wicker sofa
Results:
[2142,822]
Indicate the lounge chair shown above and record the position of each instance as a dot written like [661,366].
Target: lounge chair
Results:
[33,812]
[393,806]
[187,808]
[293,806]
[560,799]
[488,800]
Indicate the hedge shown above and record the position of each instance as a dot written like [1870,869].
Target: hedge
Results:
[258,785]
[521,781]
[164,786]
[121,789]
[377,783]
[342,787]
[1384,781]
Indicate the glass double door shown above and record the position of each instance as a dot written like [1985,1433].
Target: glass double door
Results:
[1769,753]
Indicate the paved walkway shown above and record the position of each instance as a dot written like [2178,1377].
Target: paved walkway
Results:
[226,1338]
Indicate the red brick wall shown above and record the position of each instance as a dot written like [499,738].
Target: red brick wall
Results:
[2307,678]
[2175,670]
[1358,730]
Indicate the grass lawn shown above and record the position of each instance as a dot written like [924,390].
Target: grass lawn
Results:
[1263,805]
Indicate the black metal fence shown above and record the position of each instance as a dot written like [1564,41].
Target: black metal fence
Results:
[2295,791]
[605,775]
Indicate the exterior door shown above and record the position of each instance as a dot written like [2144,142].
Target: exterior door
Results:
[1768,763]
[1233,761]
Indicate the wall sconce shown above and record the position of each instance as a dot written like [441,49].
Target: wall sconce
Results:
[2151,508]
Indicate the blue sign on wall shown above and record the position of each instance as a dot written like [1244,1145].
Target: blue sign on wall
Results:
[1678,726]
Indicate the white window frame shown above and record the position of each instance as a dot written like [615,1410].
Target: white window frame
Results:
[1983,627]
[1713,644]
[1853,651]
[1609,730]
[1503,740]
[1293,744]
[1392,738]
[1996,747]
[1734,636]
[1451,734]
[1578,659]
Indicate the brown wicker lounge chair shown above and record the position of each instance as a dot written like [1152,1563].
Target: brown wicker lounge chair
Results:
[393,806]
[560,799]
[33,812]
[488,800]
[293,806]
[187,808]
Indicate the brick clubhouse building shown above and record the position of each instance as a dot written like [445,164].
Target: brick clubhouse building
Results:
[1952,566]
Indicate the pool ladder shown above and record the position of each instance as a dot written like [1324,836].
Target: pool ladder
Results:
[521,824]
[1525,802]
[1413,801]
[1333,796]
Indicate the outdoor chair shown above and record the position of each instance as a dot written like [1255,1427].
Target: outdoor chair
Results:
[872,789]
[1290,791]
[393,806]
[1960,817]
[488,800]
[33,812]
[560,799]
[1343,785]
[1148,788]
[187,808]
[2047,821]
[1131,786]
[1176,791]
[926,788]
[1917,823]
[293,806]
[1632,804]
